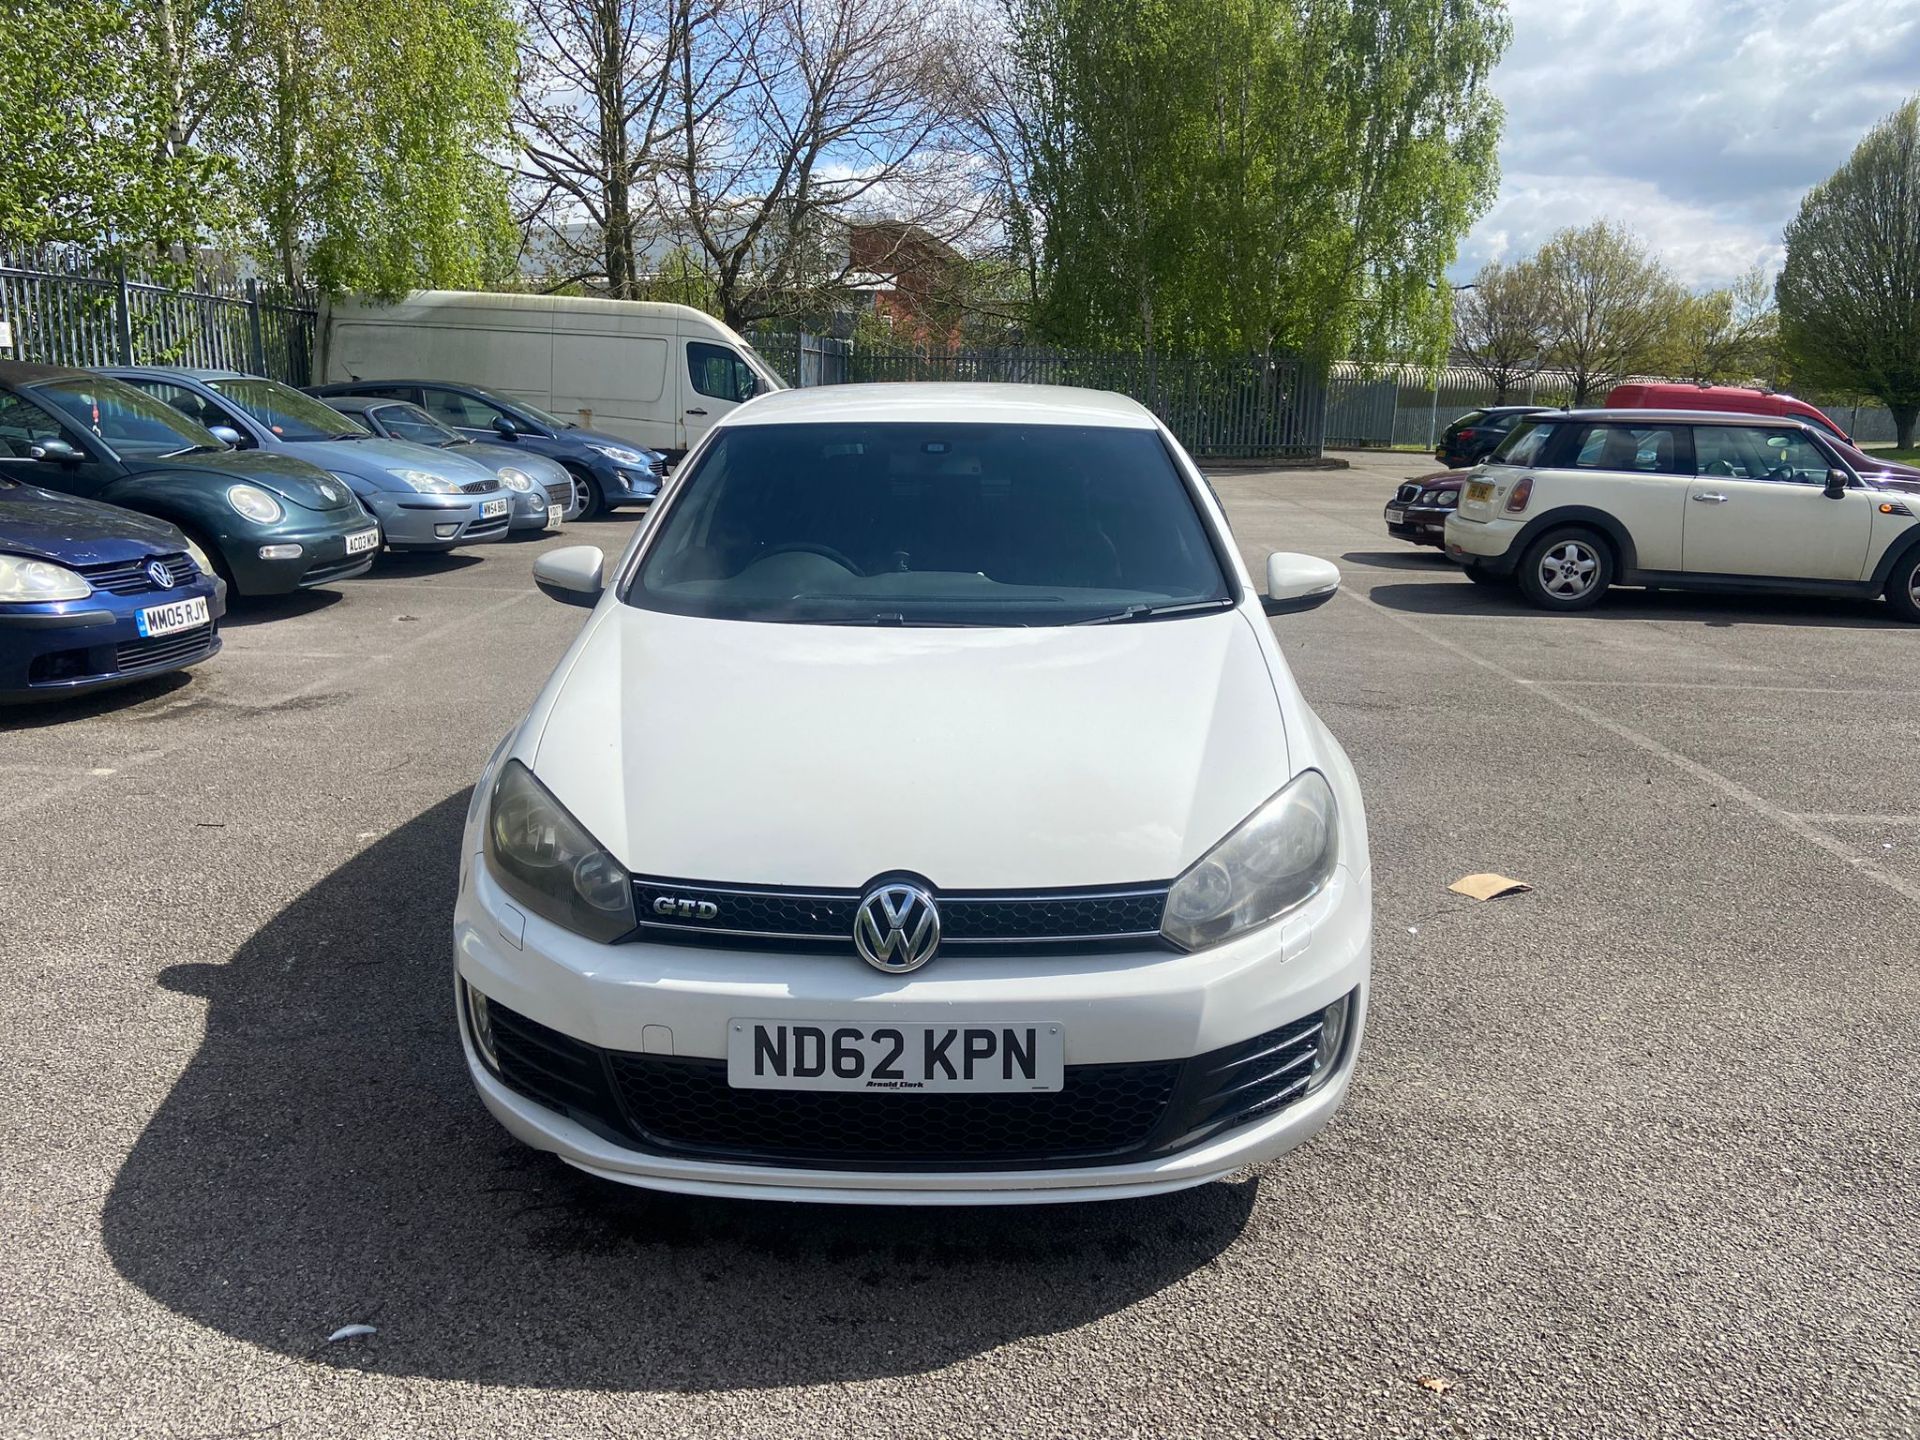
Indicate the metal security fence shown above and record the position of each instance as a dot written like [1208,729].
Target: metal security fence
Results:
[63,308]
[1407,405]
[1233,407]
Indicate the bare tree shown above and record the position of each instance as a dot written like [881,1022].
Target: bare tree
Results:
[593,113]
[1609,307]
[1726,335]
[1499,325]
[795,119]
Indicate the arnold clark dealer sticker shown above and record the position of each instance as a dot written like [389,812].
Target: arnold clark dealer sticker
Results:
[967,1056]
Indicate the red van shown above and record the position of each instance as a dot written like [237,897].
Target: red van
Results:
[1723,399]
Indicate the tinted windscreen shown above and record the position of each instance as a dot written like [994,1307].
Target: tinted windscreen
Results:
[286,412]
[410,422]
[1524,444]
[924,524]
[132,422]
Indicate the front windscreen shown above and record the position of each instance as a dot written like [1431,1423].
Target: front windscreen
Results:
[931,524]
[286,412]
[130,421]
[410,422]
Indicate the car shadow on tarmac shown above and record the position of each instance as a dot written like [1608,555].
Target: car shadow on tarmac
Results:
[1459,596]
[243,611]
[1429,559]
[323,1161]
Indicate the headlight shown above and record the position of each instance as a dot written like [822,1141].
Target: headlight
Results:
[619,454]
[426,482]
[200,558]
[1440,497]
[547,861]
[254,503]
[1278,858]
[24,581]
[515,479]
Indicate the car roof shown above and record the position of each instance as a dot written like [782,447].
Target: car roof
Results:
[386,382]
[27,372]
[1684,417]
[957,402]
[177,372]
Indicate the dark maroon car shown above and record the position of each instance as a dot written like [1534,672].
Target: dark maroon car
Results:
[1881,474]
[1418,510]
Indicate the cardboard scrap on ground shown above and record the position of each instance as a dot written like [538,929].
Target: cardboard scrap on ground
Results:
[1488,887]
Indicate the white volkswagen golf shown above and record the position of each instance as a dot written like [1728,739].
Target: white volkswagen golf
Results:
[924,814]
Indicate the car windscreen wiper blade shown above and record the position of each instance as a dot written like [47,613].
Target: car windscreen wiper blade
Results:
[1154,612]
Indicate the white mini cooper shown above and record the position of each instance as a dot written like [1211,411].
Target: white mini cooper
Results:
[1575,501]
[925,813]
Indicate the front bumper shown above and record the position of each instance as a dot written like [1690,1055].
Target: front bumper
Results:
[410,520]
[530,507]
[623,485]
[323,557]
[77,646]
[647,1000]
[1419,525]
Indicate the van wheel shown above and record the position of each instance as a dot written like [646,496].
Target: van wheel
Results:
[1903,586]
[587,491]
[1566,570]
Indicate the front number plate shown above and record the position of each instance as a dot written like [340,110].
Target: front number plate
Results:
[976,1057]
[554,512]
[1479,490]
[170,619]
[491,508]
[362,541]
[1396,516]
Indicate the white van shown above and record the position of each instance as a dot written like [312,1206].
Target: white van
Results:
[656,374]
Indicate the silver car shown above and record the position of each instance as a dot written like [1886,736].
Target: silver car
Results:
[543,492]
[424,499]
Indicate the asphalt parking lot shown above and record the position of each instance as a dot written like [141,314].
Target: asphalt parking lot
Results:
[1633,1154]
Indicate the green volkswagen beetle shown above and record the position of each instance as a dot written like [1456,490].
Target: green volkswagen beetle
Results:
[268,524]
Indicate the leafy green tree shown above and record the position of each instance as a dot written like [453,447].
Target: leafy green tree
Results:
[1726,336]
[96,145]
[1850,290]
[1609,307]
[1254,174]
[1499,324]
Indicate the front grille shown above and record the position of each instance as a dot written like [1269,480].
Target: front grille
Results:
[337,569]
[1103,1114]
[167,650]
[824,918]
[479,487]
[493,525]
[1407,493]
[129,577]
[559,494]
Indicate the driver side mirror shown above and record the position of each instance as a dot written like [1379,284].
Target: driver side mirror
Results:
[1298,582]
[1836,484]
[55,452]
[571,575]
[506,428]
[226,435]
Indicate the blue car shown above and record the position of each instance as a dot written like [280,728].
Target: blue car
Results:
[93,596]
[607,471]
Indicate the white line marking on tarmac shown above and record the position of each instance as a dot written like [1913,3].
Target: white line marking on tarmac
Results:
[1716,685]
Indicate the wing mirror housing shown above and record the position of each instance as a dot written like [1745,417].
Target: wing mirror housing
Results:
[505,428]
[1836,484]
[225,434]
[55,452]
[1298,582]
[571,575]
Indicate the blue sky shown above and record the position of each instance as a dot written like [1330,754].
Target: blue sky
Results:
[1699,124]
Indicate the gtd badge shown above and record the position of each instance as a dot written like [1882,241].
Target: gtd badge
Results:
[675,908]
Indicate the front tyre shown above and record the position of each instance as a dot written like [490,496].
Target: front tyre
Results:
[1903,586]
[1566,570]
[586,490]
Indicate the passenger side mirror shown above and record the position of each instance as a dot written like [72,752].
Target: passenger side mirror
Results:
[506,428]
[55,452]
[1298,582]
[225,434]
[1836,484]
[571,575]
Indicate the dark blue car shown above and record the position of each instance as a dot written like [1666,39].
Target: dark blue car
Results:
[607,471]
[93,596]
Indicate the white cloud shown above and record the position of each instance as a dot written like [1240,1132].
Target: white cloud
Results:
[1697,123]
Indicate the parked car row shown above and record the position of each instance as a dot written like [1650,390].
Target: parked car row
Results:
[1758,498]
[136,502]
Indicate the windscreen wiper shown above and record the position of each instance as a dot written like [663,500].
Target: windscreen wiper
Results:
[1154,612]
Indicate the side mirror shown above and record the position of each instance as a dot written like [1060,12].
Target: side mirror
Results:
[1298,582]
[226,435]
[55,452]
[1836,484]
[506,428]
[571,575]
